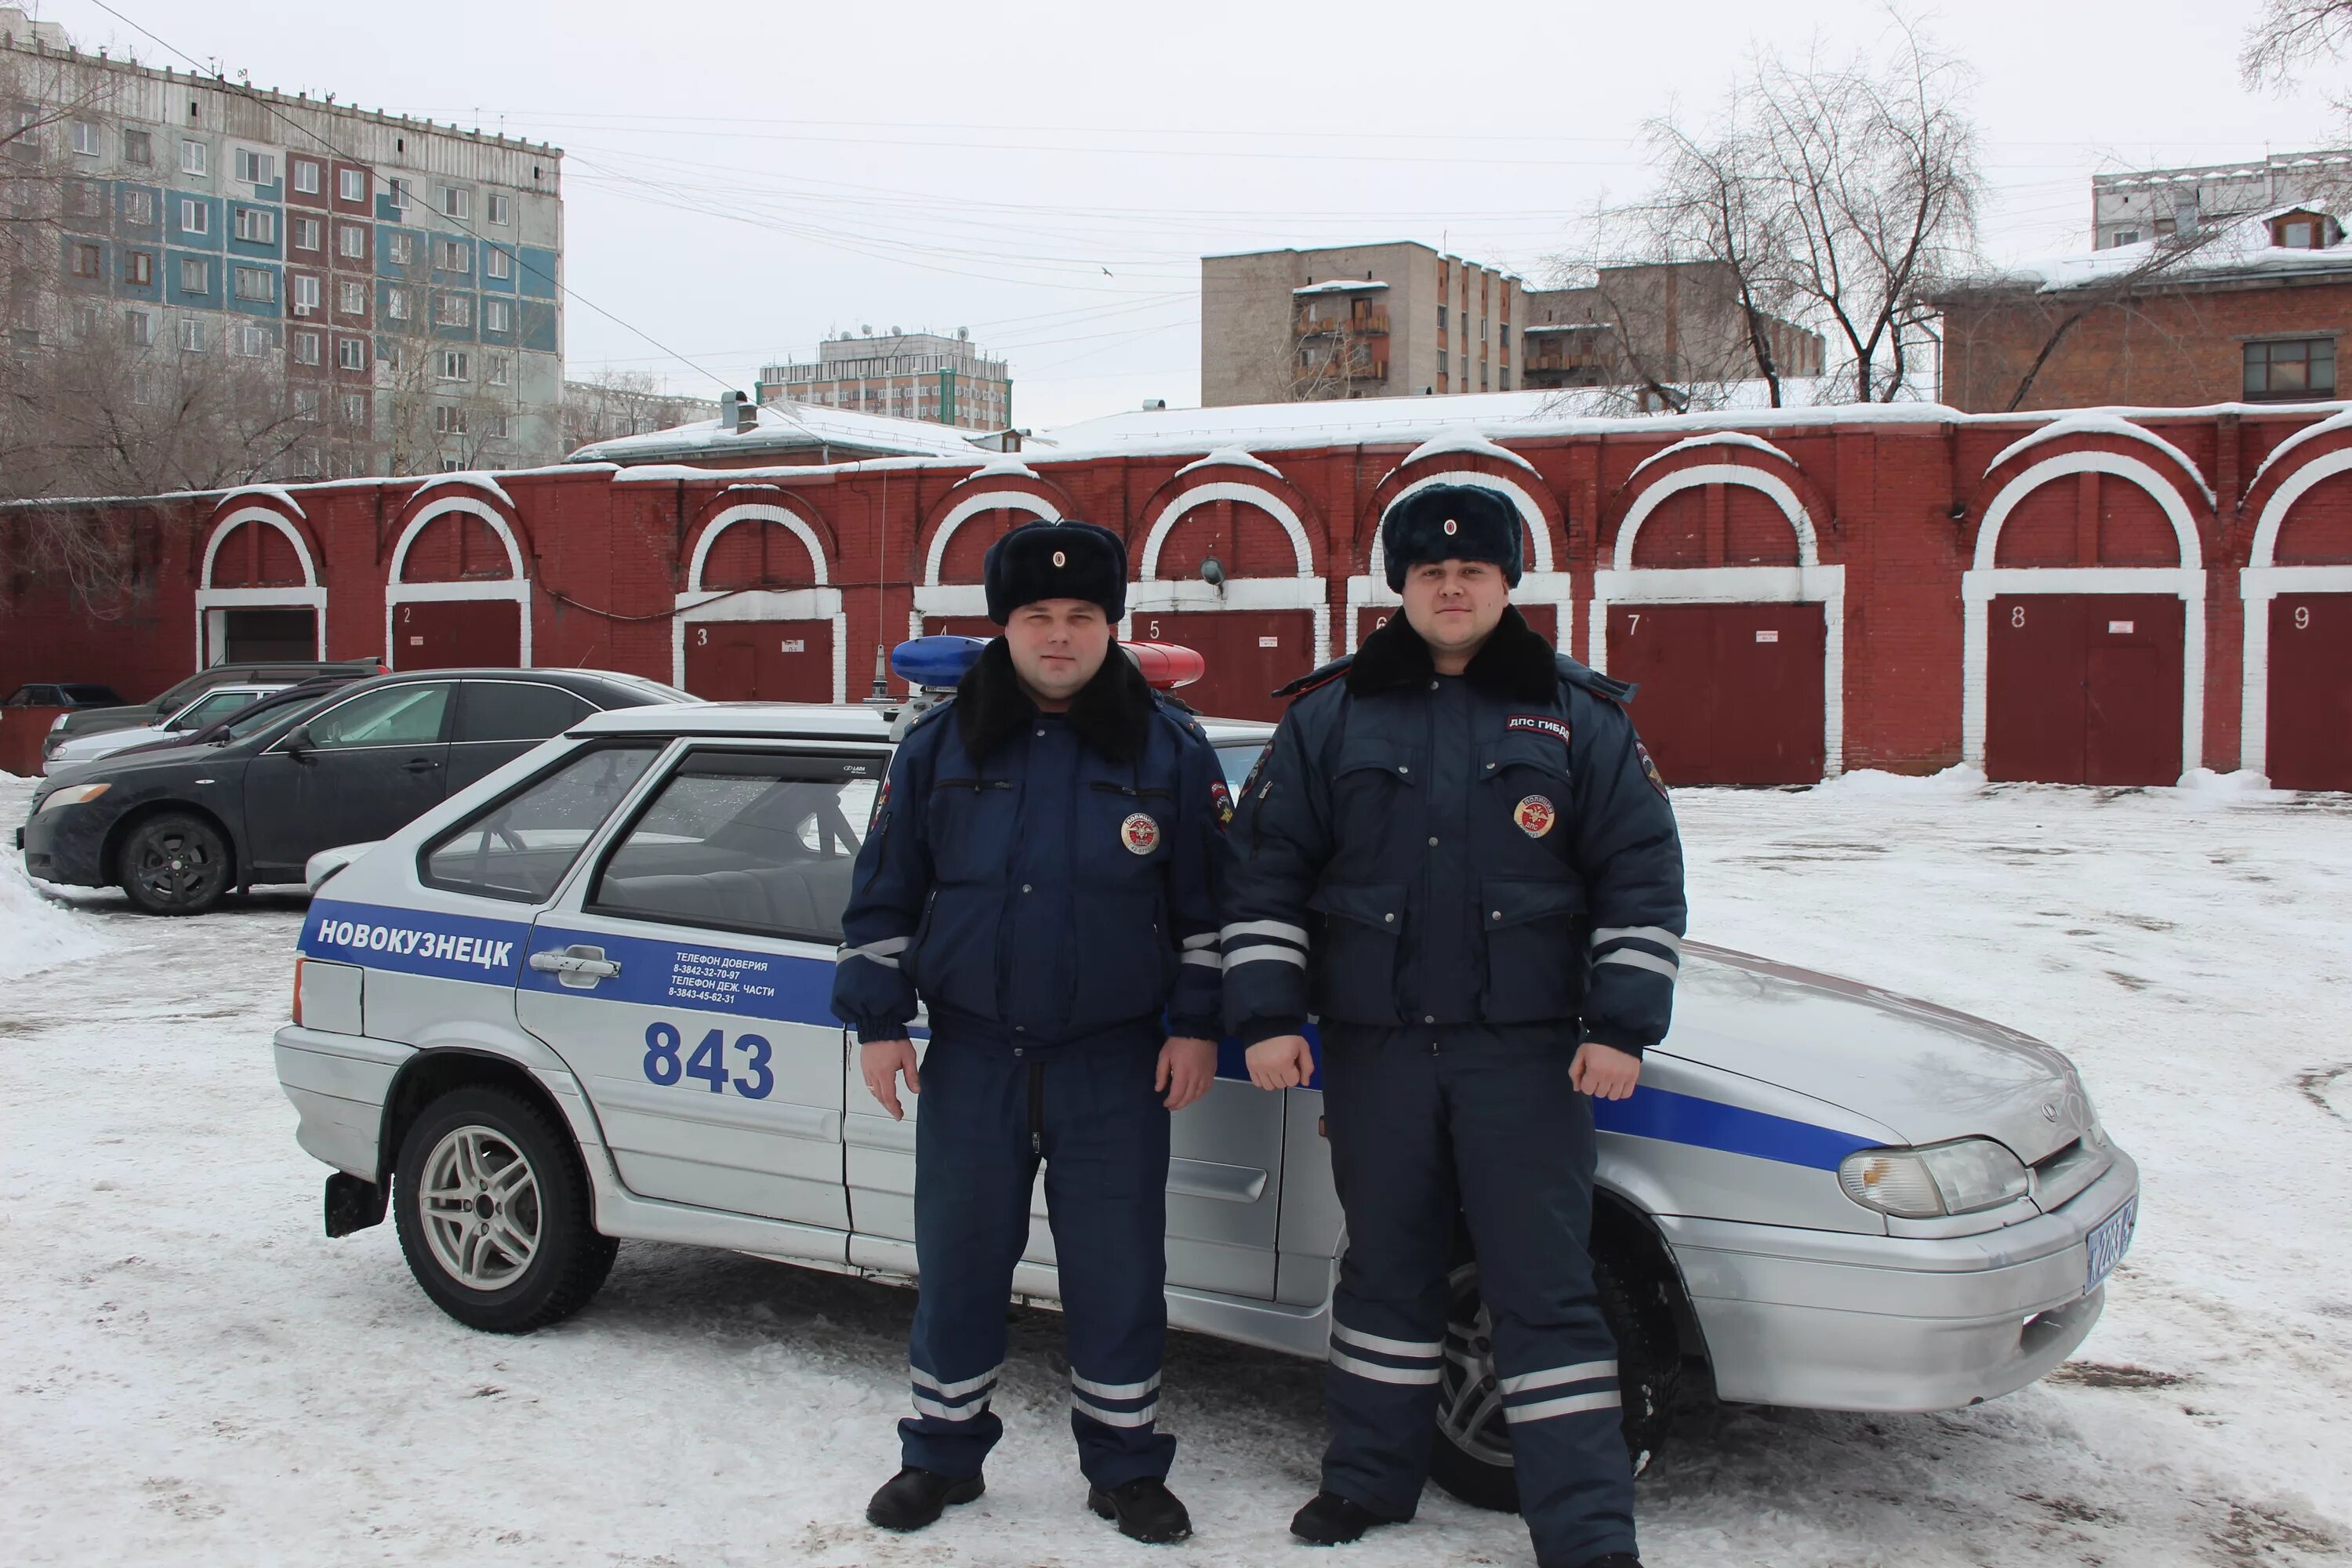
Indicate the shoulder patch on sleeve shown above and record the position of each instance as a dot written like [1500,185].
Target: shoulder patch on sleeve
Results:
[1257,767]
[1650,768]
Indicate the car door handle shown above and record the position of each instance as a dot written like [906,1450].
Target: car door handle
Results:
[577,965]
[420,765]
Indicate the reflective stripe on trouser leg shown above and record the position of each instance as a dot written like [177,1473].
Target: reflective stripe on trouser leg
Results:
[1106,1137]
[1388,1315]
[1522,1153]
[973,1174]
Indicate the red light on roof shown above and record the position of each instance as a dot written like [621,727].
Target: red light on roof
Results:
[1167,665]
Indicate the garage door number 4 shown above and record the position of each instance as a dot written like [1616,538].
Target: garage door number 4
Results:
[666,1067]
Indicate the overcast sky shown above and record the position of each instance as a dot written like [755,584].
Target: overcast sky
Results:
[743,177]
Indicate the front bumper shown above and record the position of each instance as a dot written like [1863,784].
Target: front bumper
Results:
[67,844]
[1825,1320]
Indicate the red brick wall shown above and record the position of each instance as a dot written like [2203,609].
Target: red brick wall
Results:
[1899,507]
[2179,349]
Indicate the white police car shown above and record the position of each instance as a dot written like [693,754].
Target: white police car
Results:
[587,999]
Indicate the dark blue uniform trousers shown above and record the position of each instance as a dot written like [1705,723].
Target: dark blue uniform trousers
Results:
[985,1117]
[1487,1126]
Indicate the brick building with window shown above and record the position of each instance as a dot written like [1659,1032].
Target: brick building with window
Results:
[2246,309]
[401,279]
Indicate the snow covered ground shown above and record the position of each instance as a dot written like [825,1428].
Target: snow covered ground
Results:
[195,1375]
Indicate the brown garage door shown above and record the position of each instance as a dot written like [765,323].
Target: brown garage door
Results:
[760,661]
[2084,687]
[454,634]
[1248,654]
[2310,728]
[1731,694]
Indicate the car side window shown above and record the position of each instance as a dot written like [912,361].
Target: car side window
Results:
[212,710]
[516,710]
[749,841]
[396,716]
[520,845]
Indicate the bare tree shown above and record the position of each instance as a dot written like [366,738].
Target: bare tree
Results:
[1836,193]
[2291,35]
[613,403]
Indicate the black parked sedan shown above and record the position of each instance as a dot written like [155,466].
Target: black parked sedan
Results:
[179,826]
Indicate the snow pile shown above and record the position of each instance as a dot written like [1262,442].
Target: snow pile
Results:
[2244,784]
[33,932]
[1955,783]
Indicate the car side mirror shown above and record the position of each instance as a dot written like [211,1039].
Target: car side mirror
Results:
[298,742]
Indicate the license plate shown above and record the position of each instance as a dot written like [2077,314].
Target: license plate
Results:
[2108,1243]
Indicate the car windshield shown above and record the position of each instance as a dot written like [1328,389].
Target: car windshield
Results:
[255,720]
[212,708]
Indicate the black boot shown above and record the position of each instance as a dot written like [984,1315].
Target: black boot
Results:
[1614,1559]
[1331,1519]
[1146,1510]
[913,1498]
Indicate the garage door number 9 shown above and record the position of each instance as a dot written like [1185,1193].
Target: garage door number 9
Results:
[2303,618]
[708,1062]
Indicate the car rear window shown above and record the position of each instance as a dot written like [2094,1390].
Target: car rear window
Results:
[516,710]
[748,841]
[518,847]
[91,696]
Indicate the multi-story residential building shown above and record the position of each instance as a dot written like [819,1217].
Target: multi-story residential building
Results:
[399,281]
[906,375]
[2155,203]
[1667,324]
[1359,321]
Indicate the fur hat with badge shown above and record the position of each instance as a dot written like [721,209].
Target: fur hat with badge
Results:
[1450,522]
[1056,560]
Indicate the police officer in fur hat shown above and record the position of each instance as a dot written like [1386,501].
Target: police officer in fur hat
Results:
[1456,855]
[1041,871]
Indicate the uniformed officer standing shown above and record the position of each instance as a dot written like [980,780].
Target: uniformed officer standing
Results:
[1456,854]
[1041,870]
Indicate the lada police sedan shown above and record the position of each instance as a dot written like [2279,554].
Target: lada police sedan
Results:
[586,999]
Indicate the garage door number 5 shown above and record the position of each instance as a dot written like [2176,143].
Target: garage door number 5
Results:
[708,1063]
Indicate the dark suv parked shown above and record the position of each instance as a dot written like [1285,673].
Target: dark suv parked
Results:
[178,826]
[93,720]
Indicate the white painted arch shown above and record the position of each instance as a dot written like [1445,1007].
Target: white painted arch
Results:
[1807,583]
[1539,583]
[213,604]
[1302,590]
[2265,580]
[514,588]
[933,598]
[1985,581]
[820,602]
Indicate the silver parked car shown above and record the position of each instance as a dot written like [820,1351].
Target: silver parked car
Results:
[587,999]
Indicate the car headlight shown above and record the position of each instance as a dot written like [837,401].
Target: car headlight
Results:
[77,794]
[1959,1177]
[59,722]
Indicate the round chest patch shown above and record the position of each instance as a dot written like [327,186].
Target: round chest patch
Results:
[1060,559]
[1451,525]
[1142,835]
[1534,816]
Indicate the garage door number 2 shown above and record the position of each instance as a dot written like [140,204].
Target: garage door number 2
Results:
[665,1067]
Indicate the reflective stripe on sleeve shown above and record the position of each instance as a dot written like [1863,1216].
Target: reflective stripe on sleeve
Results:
[1287,932]
[1206,939]
[1206,960]
[1636,958]
[877,952]
[1261,954]
[1658,934]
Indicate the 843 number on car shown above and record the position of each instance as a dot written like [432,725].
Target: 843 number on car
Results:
[668,1063]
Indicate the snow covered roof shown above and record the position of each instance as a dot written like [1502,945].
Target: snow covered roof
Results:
[480,478]
[787,426]
[1230,457]
[1468,442]
[1565,327]
[2327,427]
[2098,424]
[1339,286]
[2243,248]
[1718,439]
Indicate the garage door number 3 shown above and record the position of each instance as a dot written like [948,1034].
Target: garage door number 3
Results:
[664,1066]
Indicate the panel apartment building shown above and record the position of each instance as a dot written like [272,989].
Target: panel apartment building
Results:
[1397,319]
[904,376]
[398,283]
[2156,203]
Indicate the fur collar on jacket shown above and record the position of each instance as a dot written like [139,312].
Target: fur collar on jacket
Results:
[1112,712]
[1515,662]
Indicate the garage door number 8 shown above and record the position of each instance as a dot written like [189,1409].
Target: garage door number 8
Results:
[708,1063]
[2017,615]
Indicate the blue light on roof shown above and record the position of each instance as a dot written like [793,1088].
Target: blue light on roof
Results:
[935,661]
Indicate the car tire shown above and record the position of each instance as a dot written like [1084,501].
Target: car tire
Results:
[1470,1455]
[494,1212]
[174,863]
